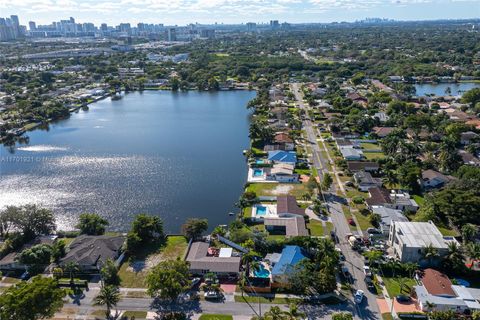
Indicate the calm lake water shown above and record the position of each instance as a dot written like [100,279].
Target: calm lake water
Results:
[176,155]
[439,89]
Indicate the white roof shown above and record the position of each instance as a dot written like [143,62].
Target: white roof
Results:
[225,252]
[420,234]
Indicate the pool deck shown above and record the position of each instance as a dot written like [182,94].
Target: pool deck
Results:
[271,211]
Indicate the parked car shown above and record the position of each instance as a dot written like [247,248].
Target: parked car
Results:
[340,254]
[373,231]
[349,184]
[195,281]
[369,282]
[358,297]
[351,222]
[213,295]
[367,271]
[403,298]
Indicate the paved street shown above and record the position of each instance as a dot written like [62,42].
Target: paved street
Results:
[369,308]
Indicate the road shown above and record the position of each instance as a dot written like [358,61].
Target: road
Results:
[369,308]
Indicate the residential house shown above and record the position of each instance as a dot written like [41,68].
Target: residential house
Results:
[280,156]
[285,265]
[283,172]
[290,227]
[91,252]
[9,261]
[408,239]
[287,206]
[432,179]
[203,259]
[350,153]
[365,181]
[401,200]
[285,140]
[382,132]
[381,116]
[379,197]
[388,216]
[469,158]
[356,166]
[437,293]
[469,137]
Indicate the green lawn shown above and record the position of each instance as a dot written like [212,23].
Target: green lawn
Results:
[370,146]
[247,212]
[387,316]
[136,314]
[174,247]
[215,317]
[252,299]
[393,287]
[275,189]
[315,227]
[418,199]
[374,155]
[363,221]
[448,232]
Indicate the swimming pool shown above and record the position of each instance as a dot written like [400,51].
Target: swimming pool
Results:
[257,172]
[261,272]
[260,161]
[261,211]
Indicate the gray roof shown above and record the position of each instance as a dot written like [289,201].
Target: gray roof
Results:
[349,152]
[389,215]
[420,234]
[288,204]
[198,259]
[93,250]
[293,226]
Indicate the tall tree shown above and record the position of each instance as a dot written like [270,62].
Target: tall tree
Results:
[193,228]
[168,279]
[39,298]
[92,224]
[108,296]
[109,273]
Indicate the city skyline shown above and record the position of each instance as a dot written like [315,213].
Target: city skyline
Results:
[181,12]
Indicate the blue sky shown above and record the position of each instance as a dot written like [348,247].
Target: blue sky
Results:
[235,11]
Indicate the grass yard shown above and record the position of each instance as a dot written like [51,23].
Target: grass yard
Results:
[374,155]
[215,317]
[133,274]
[252,299]
[275,189]
[393,286]
[387,316]
[136,314]
[418,199]
[363,221]
[316,228]
[330,227]
[10,280]
[369,146]
[448,232]
[247,212]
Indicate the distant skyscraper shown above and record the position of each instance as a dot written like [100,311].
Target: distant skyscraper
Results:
[32,25]
[171,34]
[207,33]
[251,26]
[274,24]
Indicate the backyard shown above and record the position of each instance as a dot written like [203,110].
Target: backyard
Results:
[133,273]
[278,189]
[393,285]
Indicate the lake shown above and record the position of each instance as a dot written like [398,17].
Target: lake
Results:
[439,89]
[176,155]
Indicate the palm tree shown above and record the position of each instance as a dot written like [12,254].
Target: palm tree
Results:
[293,313]
[410,268]
[469,232]
[108,296]
[72,269]
[473,252]
[402,283]
[429,306]
[275,313]
[429,253]
[454,257]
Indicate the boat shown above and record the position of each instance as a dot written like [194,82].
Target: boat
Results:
[231,213]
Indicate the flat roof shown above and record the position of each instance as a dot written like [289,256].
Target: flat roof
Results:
[420,234]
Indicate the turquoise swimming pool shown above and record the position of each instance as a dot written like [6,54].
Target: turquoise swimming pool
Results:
[257,172]
[261,211]
[261,272]
[260,161]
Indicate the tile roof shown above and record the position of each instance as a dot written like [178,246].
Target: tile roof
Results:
[93,250]
[378,196]
[288,204]
[282,156]
[362,165]
[294,226]
[437,283]
[282,138]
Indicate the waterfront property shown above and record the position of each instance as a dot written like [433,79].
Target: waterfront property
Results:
[204,259]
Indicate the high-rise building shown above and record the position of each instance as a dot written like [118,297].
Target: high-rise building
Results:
[251,26]
[207,33]
[274,24]
[32,25]
[171,34]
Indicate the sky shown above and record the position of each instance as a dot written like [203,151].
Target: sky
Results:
[181,12]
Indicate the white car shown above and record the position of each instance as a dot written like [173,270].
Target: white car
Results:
[358,297]
[367,271]
[212,295]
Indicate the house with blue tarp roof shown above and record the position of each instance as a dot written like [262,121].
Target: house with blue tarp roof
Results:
[280,156]
[289,258]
